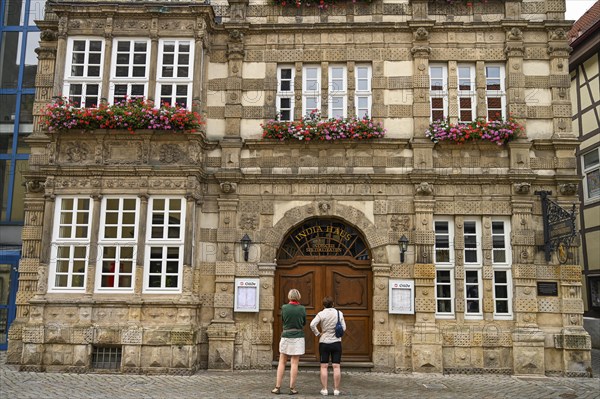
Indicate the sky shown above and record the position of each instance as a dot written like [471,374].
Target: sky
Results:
[576,8]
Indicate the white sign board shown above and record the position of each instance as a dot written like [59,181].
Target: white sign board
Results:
[402,297]
[246,295]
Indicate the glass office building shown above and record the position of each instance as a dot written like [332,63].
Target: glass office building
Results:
[18,64]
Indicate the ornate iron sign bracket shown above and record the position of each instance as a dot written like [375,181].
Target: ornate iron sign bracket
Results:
[559,227]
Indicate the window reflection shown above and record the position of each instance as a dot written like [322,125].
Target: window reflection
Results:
[10,59]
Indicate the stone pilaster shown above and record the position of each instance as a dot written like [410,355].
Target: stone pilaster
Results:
[222,330]
[421,52]
[61,51]
[515,78]
[427,339]
[233,100]
[265,334]
[560,81]
[108,45]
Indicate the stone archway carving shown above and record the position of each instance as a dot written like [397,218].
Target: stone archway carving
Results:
[375,239]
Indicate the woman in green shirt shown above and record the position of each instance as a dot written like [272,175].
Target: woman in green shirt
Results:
[292,340]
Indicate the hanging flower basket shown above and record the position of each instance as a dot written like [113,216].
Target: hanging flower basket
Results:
[495,131]
[130,114]
[312,128]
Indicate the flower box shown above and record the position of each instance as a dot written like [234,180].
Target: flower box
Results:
[494,131]
[130,115]
[312,128]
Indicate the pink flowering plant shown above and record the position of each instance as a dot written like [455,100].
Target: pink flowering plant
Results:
[496,131]
[312,128]
[318,4]
[130,114]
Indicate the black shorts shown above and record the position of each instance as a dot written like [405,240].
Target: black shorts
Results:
[333,350]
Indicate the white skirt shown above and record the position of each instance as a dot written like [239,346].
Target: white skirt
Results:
[291,346]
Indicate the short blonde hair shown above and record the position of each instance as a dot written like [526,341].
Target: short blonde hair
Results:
[294,295]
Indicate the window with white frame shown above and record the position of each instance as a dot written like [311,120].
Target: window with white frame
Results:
[467,98]
[337,91]
[443,258]
[362,93]
[472,234]
[83,72]
[175,72]
[501,265]
[164,249]
[502,293]
[129,74]
[117,244]
[311,89]
[438,91]
[473,292]
[443,242]
[285,93]
[591,174]
[70,246]
[495,95]
[444,291]
[501,254]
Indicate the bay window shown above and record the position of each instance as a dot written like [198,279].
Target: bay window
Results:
[83,72]
[117,244]
[164,250]
[175,72]
[129,74]
[71,244]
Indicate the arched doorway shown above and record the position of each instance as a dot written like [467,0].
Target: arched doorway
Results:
[326,256]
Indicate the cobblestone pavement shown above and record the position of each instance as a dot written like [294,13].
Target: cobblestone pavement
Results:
[257,384]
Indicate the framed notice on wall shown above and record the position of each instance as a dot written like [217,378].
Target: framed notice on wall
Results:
[246,295]
[402,297]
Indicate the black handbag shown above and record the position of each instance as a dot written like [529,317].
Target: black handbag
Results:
[339,329]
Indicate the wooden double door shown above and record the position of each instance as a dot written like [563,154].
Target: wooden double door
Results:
[350,285]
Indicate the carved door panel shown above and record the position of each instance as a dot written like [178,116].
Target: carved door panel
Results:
[351,289]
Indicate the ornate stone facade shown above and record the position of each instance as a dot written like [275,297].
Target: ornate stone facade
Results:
[234,183]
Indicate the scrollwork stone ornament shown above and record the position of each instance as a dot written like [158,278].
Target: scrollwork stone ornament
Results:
[400,223]
[558,34]
[77,152]
[421,34]
[421,51]
[522,188]
[424,189]
[34,186]
[568,188]
[324,207]
[515,34]
[48,35]
[248,222]
[228,187]
[170,153]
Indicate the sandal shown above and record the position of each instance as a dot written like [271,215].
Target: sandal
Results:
[276,391]
[293,391]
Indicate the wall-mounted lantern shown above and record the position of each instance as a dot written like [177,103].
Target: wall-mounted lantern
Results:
[246,246]
[403,244]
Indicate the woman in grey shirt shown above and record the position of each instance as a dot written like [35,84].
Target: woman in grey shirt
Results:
[330,346]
